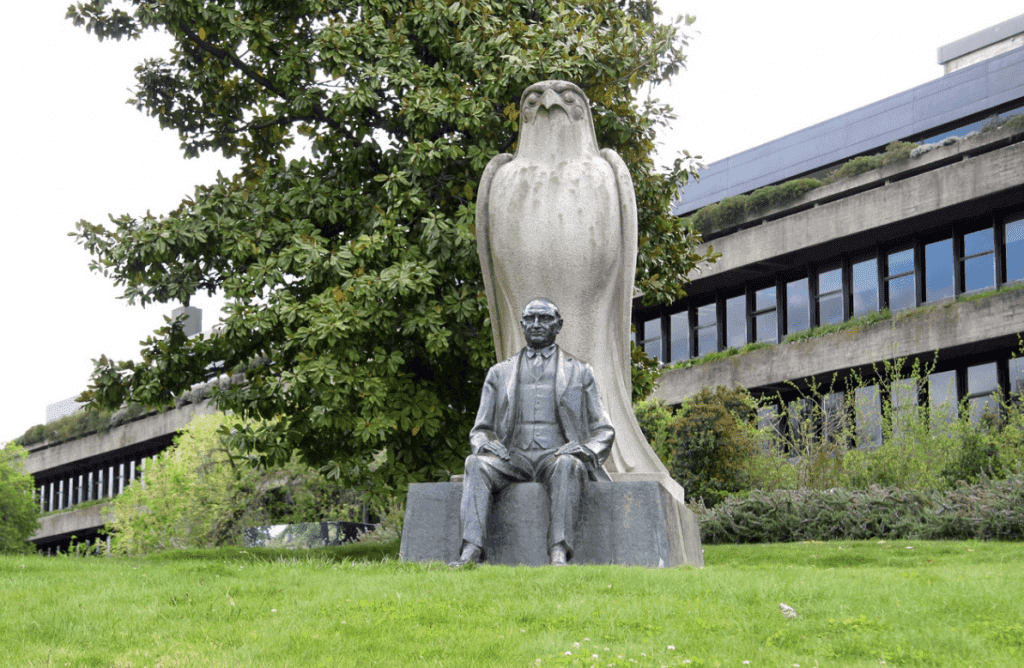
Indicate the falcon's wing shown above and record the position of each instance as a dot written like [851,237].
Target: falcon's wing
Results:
[483,246]
[627,214]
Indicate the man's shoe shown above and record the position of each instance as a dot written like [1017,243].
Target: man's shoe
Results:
[558,555]
[470,554]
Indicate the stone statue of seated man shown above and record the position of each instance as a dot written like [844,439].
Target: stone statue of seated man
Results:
[540,420]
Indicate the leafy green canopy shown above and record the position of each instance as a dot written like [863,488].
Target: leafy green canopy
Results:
[351,274]
[19,512]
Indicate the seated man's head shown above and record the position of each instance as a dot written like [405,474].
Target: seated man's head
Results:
[541,323]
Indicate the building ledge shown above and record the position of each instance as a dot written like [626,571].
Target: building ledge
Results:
[920,192]
[75,521]
[957,328]
[78,452]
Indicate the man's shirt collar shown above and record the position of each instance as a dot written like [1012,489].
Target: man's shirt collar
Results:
[545,352]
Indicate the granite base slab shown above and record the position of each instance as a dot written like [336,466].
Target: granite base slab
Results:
[625,523]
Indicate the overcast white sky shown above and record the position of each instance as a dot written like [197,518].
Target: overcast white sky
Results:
[756,71]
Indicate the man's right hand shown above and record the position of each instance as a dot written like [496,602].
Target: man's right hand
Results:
[494,447]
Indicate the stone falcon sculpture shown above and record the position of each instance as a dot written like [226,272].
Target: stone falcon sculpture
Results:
[558,220]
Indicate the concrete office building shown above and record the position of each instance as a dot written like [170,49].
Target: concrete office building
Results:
[928,238]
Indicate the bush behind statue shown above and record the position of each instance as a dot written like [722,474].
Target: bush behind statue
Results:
[987,510]
[708,442]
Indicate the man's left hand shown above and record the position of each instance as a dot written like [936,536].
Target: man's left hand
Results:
[581,452]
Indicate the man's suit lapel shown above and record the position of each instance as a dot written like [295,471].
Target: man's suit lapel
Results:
[511,385]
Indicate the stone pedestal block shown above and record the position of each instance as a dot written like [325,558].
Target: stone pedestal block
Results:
[635,523]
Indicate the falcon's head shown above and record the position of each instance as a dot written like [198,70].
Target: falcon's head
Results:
[556,113]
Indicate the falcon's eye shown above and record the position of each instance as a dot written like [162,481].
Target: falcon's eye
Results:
[569,97]
[532,99]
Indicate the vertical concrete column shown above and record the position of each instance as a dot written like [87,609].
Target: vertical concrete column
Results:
[81,487]
[60,496]
[89,489]
[131,471]
[120,478]
[110,481]
[49,505]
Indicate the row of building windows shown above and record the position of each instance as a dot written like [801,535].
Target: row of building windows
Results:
[859,414]
[100,482]
[968,257]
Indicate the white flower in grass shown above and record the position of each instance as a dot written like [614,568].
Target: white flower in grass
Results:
[594,656]
[671,646]
[746,663]
[568,653]
[576,645]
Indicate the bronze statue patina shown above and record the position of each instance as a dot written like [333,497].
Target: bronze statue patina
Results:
[540,420]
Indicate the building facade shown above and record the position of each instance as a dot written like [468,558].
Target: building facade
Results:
[917,260]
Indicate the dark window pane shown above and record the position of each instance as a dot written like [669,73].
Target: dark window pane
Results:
[797,306]
[707,330]
[830,309]
[901,262]
[766,327]
[830,281]
[706,315]
[1015,250]
[680,333]
[652,329]
[982,378]
[979,273]
[764,299]
[938,262]
[707,341]
[833,415]
[978,242]
[901,293]
[942,399]
[869,417]
[736,322]
[1017,375]
[903,396]
[865,287]
[979,407]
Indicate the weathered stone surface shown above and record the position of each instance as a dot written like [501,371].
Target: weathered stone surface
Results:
[626,523]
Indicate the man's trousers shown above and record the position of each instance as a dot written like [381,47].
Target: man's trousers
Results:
[487,474]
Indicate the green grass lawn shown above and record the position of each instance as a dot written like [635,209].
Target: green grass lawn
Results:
[872,603]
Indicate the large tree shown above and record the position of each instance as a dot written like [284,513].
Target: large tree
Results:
[345,244]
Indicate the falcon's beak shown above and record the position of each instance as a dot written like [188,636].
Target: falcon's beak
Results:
[550,99]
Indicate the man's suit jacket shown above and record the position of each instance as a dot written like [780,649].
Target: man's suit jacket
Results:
[578,406]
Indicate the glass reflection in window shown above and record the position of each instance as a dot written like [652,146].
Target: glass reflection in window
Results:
[736,322]
[979,261]
[1014,236]
[765,321]
[865,287]
[679,330]
[798,304]
[830,297]
[938,263]
[707,330]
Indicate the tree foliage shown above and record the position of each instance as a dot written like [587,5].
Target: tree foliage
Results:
[200,493]
[345,243]
[19,514]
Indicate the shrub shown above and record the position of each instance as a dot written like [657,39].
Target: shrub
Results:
[771,197]
[710,441]
[200,494]
[990,509]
